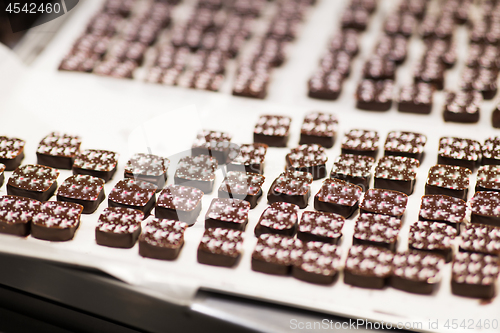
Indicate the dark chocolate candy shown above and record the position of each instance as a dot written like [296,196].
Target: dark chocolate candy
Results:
[368,266]
[437,26]
[445,50]
[488,178]
[56,221]
[345,40]
[149,168]
[272,130]
[355,169]
[2,175]
[178,202]
[308,158]
[482,80]
[416,8]
[416,98]
[212,143]
[16,214]
[396,173]
[355,18]
[449,180]
[33,181]
[462,107]
[118,227]
[197,171]
[320,263]
[491,150]
[326,85]
[483,55]
[374,95]
[320,128]
[135,194]
[393,48]
[408,144]
[379,68]
[480,238]
[84,190]
[474,275]
[58,150]
[220,247]
[227,213]
[293,187]
[251,83]
[443,208]
[114,68]
[275,254]
[11,152]
[459,151]
[320,227]
[162,239]
[416,272]
[251,158]
[384,202]
[399,23]
[360,142]
[433,237]
[334,61]
[278,218]
[242,185]
[377,230]
[495,118]
[338,196]
[97,163]
[485,208]
[430,70]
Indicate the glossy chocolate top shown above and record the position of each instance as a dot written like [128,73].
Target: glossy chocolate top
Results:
[132,192]
[201,167]
[212,140]
[463,102]
[57,144]
[322,224]
[485,203]
[307,155]
[98,160]
[425,235]
[33,177]
[147,165]
[14,209]
[10,148]
[253,153]
[375,91]
[293,183]
[481,238]
[475,268]
[397,168]
[58,215]
[81,187]
[385,202]
[488,177]
[120,220]
[417,93]
[361,140]
[280,216]
[319,124]
[164,233]
[405,142]
[377,228]
[418,266]
[491,148]
[277,249]
[180,197]
[352,165]
[369,261]
[243,183]
[228,210]
[319,258]
[442,208]
[459,149]
[226,242]
[449,176]
[273,125]
[339,192]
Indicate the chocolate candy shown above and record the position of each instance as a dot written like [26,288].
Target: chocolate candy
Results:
[33,181]
[326,85]
[251,83]
[16,214]
[309,158]
[355,18]
[118,227]
[275,254]
[354,169]
[320,128]
[416,98]
[250,158]
[414,7]
[97,163]
[135,194]
[377,230]
[227,213]
[406,144]
[212,143]
[374,95]
[162,239]
[56,221]
[84,190]
[430,70]
[449,180]
[334,61]
[386,202]
[474,275]
[291,186]
[485,208]
[320,227]
[279,218]
[345,40]
[482,80]
[432,237]
[443,208]
[148,168]
[369,5]
[220,247]
[379,68]
[197,171]
[11,152]
[491,151]
[437,26]
[2,175]
[338,196]
[400,24]
[360,142]
[242,185]
[485,56]
[272,130]
[479,238]
[368,266]
[178,202]
[488,178]
[458,151]
[392,48]
[396,173]
[416,272]
[319,264]
[462,107]
[445,50]
[495,118]
[58,150]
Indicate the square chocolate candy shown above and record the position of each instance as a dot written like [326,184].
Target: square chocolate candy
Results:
[308,158]
[480,238]
[84,190]
[368,266]
[275,254]
[408,144]
[338,196]
[227,213]
[272,130]
[220,247]
[213,143]
[320,128]
[443,208]
[374,95]
[480,81]
[462,106]
[396,173]
[491,151]
[360,142]
[56,221]
[416,98]
[320,227]
[148,168]
[326,85]
[278,218]
[250,158]
[354,169]
[11,152]
[58,150]
[393,48]
[377,230]
[430,70]
[356,18]
[97,163]
[293,187]
[135,194]
[488,178]
[448,180]
[432,237]
[118,227]
[458,151]
[179,202]
[319,264]
[16,214]
[242,185]
[485,208]
[162,239]
[379,68]
[197,171]
[385,202]
[474,275]
[33,181]
[416,272]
